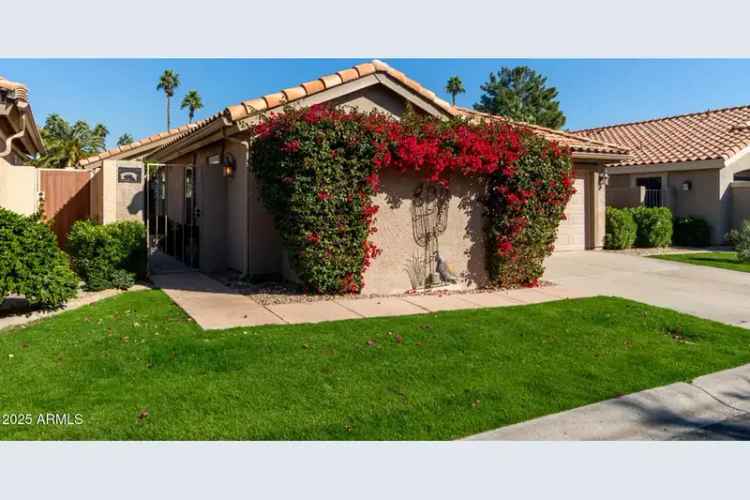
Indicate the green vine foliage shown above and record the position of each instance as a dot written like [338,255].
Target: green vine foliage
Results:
[319,167]
[313,172]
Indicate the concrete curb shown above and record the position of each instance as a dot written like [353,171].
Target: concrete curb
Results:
[662,413]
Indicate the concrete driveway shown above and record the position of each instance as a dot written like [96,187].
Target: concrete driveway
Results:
[707,292]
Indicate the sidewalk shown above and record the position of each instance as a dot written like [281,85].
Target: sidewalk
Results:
[215,306]
[711,407]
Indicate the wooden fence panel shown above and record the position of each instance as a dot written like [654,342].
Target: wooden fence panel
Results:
[67,198]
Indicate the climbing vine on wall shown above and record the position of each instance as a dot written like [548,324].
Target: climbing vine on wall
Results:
[319,167]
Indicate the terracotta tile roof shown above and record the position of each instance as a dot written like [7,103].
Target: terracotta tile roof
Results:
[140,145]
[271,101]
[709,135]
[575,142]
[22,92]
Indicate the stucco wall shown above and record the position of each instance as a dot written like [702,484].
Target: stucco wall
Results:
[625,197]
[236,210]
[18,188]
[708,198]
[740,203]
[130,196]
[461,245]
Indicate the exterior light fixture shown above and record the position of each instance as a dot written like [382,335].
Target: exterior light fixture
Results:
[604,179]
[687,186]
[229,165]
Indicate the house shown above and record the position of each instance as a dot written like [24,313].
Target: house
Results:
[204,205]
[697,164]
[19,141]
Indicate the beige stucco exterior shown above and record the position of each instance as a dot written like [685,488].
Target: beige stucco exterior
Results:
[740,202]
[112,200]
[19,187]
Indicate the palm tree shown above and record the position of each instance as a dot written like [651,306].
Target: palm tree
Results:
[68,144]
[168,82]
[454,87]
[125,139]
[192,101]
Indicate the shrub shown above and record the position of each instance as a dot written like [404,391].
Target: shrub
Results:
[740,240]
[654,226]
[691,232]
[31,264]
[319,168]
[621,229]
[108,256]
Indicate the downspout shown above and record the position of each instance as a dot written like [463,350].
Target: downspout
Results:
[9,140]
[248,206]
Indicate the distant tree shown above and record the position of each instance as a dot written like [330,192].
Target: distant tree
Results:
[125,139]
[454,87]
[68,144]
[521,93]
[168,82]
[193,102]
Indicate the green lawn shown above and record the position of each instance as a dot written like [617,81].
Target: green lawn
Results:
[724,260]
[134,367]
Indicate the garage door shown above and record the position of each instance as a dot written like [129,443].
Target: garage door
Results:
[571,235]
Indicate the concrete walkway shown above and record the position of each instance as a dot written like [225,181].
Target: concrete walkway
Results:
[715,406]
[708,292]
[215,306]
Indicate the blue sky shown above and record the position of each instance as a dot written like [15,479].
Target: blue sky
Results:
[122,94]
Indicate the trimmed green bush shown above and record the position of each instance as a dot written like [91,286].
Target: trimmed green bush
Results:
[691,232]
[31,264]
[740,240]
[620,229]
[654,226]
[110,255]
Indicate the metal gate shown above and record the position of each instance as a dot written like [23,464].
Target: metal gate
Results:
[172,217]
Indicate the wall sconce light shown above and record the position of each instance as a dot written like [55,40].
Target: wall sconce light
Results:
[603,179]
[229,165]
[687,186]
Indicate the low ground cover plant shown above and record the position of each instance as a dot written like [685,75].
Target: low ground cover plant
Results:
[691,232]
[621,229]
[319,168]
[31,263]
[108,255]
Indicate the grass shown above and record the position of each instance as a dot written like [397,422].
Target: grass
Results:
[135,367]
[723,260]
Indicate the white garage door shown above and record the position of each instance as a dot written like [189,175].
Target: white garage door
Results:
[571,235]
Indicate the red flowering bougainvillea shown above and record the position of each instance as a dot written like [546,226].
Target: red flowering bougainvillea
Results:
[319,168]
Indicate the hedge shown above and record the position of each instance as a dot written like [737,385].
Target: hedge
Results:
[691,232]
[740,240]
[31,263]
[621,229]
[110,255]
[654,226]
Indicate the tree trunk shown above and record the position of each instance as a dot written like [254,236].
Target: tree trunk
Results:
[453,99]
[168,121]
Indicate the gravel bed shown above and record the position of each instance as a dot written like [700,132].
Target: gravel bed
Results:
[274,293]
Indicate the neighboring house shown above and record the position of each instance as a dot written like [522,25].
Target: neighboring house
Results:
[696,164]
[19,141]
[205,207]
